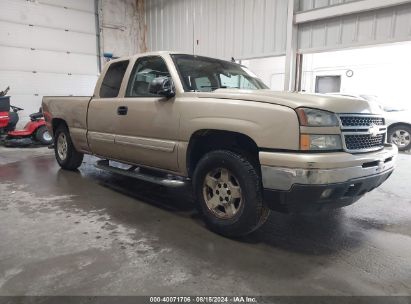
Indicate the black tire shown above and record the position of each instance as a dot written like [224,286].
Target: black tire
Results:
[73,159]
[401,129]
[251,212]
[43,136]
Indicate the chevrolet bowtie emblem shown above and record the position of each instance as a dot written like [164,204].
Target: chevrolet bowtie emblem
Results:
[374,130]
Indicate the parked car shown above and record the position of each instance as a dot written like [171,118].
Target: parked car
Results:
[397,119]
[184,120]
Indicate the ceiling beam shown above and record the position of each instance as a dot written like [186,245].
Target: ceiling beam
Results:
[345,9]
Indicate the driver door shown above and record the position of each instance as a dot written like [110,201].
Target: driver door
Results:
[147,131]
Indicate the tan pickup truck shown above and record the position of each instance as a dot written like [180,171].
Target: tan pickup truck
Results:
[179,120]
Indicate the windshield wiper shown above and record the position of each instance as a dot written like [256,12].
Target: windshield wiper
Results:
[215,88]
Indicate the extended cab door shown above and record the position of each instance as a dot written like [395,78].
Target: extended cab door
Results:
[103,118]
[147,131]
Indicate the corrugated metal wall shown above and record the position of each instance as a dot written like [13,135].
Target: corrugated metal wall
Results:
[380,26]
[257,28]
[306,5]
[218,28]
[169,25]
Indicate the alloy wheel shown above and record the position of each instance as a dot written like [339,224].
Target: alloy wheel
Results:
[401,138]
[222,193]
[62,146]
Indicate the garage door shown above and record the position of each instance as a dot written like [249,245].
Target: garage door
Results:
[385,25]
[47,47]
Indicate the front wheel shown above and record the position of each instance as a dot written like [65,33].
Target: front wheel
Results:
[229,194]
[66,155]
[400,135]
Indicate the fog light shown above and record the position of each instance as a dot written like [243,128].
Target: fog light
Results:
[326,193]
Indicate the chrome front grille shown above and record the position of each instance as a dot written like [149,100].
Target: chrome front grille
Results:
[358,142]
[362,133]
[356,121]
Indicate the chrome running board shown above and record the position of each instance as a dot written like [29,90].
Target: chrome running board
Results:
[134,172]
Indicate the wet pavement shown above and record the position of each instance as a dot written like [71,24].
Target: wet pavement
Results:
[94,233]
[8,155]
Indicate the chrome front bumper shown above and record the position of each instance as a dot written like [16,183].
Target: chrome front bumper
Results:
[283,178]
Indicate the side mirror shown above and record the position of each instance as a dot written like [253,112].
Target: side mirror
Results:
[162,86]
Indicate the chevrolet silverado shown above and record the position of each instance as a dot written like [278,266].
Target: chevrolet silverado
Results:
[212,125]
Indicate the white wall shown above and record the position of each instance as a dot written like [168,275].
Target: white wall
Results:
[270,70]
[383,71]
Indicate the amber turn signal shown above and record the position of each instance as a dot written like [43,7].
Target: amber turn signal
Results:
[302,116]
[304,142]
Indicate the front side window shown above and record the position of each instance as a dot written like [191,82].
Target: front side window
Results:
[110,87]
[202,74]
[145,70]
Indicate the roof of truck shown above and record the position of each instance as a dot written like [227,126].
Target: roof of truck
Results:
[162,53]
[147,54]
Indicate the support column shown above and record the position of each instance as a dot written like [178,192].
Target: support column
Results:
[291,48]
[99,16]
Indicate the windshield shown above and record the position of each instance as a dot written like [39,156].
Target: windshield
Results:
[202,74]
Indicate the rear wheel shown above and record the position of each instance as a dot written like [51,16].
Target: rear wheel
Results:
[66,155]
[400,135]
[229,194]
[43,136]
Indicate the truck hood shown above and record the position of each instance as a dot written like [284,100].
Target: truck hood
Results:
[330,103]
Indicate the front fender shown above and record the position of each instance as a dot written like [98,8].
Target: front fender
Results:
[269,126]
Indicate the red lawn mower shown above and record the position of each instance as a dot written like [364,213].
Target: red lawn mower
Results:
[34,133]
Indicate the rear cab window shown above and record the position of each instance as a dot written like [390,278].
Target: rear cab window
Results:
[110,87]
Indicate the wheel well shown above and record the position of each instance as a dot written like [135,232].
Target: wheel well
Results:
[398,124]
[204,141]
[57,122]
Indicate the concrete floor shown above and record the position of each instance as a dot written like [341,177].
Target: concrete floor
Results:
[92,233]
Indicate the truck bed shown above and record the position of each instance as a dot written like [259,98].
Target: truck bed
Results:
[73,111]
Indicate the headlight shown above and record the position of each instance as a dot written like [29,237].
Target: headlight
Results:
[316,118]
[314,142]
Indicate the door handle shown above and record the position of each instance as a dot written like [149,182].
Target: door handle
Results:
[122,110]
